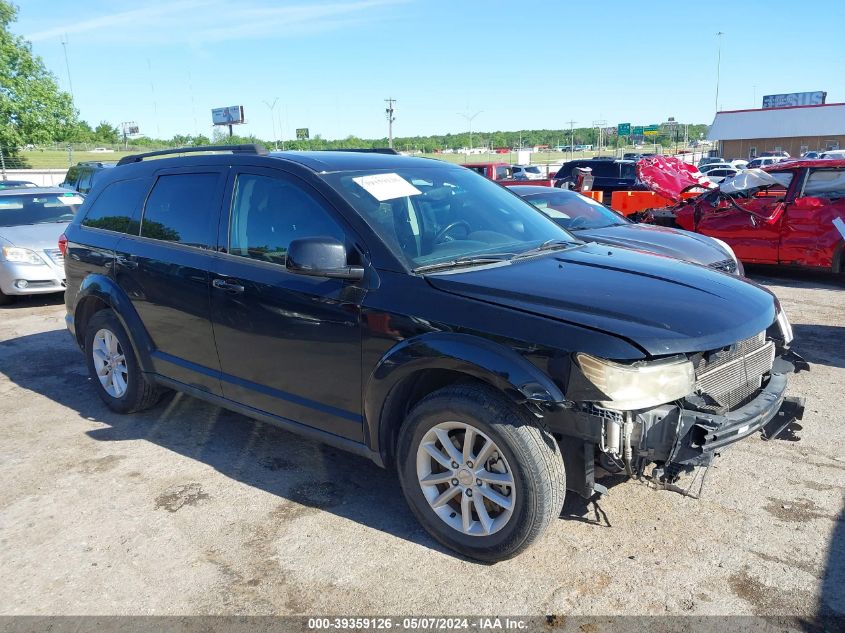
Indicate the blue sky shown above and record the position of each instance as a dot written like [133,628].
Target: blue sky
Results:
[524,65]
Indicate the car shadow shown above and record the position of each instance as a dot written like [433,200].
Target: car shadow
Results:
[35,301]
[794,277]
[820,344]
[831,605]
[257,454]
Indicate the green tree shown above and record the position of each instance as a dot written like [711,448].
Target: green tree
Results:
[106,133]
[32,107]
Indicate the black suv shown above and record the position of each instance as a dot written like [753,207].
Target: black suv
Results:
[81,176]
[417,313]
[608,175]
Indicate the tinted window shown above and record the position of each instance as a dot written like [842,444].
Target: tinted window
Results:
[116,208]
[84,184]
[826,183]
[269,213]
[503,173]
[181,208]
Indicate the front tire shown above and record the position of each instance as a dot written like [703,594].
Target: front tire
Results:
[6,299]
[481,476]
[113,366]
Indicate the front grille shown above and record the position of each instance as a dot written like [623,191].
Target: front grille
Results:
[726,265]
[731,376]
[56,256]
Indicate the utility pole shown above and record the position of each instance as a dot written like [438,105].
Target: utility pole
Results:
[572,139]
[600,125]
[390,119]
[718,66]
[469,117]
[273,120]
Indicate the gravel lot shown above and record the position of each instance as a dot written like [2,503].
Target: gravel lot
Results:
[189,509]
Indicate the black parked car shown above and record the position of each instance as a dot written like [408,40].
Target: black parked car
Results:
[421,315]
[591,221]
[81,176]
[608,175]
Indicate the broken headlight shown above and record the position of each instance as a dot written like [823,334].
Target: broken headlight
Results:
[639,385]
[785,327]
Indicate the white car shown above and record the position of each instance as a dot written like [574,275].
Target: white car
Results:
[833,153]
[738,163]
[706,169]
[720,173]
[764,161]
[527,172]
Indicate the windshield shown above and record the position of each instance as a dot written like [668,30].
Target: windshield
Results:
[533,170]
[38,208]
[573,211]
[428,215]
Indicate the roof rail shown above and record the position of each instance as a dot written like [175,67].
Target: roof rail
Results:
[364,150]
[252,148]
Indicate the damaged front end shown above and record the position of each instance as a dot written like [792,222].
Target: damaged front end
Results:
[694,195]
[733,392]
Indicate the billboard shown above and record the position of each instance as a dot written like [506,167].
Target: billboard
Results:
[794,99]
[229,115]
[302,134]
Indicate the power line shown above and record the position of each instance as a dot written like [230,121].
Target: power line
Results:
[390,119]
[67,66]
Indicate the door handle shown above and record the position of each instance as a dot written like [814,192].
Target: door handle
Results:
[227,286]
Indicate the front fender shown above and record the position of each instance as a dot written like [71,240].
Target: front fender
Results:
[495,364]
[103,288]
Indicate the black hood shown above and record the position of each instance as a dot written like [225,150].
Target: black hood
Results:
[658,239]
[663,305]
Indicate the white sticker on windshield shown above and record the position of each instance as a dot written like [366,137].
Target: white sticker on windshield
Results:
[70,200]
[386,186]
[840,226]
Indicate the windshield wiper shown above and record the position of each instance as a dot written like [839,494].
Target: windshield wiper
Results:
[462,261]
[549,245]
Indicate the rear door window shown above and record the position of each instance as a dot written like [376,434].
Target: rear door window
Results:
[117,207]
[825,183]
[183,208]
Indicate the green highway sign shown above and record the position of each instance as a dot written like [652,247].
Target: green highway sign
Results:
[623,129]
[651,130]
[637,130]
[302,134]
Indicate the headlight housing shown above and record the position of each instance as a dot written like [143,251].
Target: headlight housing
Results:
[640,385]
[785,327]
[22,256]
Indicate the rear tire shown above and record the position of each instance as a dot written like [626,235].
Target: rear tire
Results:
[485,503]
[113,366]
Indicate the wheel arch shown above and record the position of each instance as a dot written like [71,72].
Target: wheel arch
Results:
[416,367]
[98,292]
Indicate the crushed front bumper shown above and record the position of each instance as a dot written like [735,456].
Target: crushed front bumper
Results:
[683,438]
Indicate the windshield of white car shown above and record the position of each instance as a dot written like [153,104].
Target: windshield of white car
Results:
[573,211]
[429,215]
[38,208]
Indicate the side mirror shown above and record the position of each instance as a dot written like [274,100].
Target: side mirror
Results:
[810,203]
[321,257]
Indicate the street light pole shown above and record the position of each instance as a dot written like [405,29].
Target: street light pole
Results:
[469,119]
[273,120]
[718,66]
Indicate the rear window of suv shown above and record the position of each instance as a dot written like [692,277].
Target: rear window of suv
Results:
[181,208]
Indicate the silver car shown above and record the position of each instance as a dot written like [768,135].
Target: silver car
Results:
[31,221]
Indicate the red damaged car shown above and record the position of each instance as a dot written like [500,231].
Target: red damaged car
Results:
[791,213]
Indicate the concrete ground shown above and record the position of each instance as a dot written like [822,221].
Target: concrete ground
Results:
[188,509]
